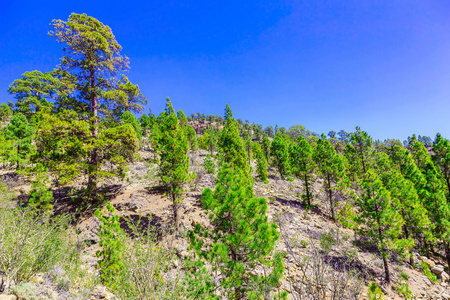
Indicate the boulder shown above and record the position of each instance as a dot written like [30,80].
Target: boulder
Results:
[437,269]
[445,276]
[429,262]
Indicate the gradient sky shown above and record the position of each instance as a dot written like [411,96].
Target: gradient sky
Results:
[328,65]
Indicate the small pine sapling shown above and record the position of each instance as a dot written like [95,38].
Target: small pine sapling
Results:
[111,236]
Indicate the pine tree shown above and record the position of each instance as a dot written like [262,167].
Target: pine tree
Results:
[5,112]
[64,141]
[93,56]
[41,195]
[381,223]
[174,165]
[211,139]
[248,145]
[242,239]
[407,203]
[331,168]
[111,235]
[34,90]
[363,145]
[303,166]
[231,147]
[128,118]
[266,147]
[145,122]
[191,136]
[261,163]
[441,158]
[432,187]
[7,149]
[21,134]
[352,162]
[279,151]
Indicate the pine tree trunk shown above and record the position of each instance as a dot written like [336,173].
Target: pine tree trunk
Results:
[92,181]
[411,257]
[308,199]
[330,197]
[386,268]
[175,211]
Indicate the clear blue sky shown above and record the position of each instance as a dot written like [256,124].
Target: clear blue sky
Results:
[328,65]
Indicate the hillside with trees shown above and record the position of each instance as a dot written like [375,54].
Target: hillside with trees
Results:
[96,203]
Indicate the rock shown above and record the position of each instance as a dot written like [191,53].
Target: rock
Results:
[445,277]
[37,280]
[429,262]
[445,296]
[8,297]
[100,292]
[437,269]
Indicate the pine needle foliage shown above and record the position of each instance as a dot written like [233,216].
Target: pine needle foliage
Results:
[382,223]
[174,162]
[302,165]
[242,238]
[21,134]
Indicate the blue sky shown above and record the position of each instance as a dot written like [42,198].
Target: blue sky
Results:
[328,65]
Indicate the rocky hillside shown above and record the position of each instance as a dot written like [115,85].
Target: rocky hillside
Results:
[318,251]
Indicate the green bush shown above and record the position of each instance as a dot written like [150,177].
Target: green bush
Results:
[209,165]
[31,244]
[427,272]
[374,292]
[327,241]
[403,289]
[144,270]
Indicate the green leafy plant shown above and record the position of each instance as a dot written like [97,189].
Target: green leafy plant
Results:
[427,272]
[403,289]
[111,240]
[374,292]
[209,165]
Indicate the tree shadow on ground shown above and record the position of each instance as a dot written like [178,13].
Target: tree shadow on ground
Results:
[151,224]
[70,201]
[12,179]
[341,263]
[315,209]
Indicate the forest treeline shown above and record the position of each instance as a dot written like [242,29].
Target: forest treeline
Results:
[75,127]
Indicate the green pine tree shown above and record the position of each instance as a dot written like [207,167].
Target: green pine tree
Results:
[303,166]
[174,162]
[441,158]
[111,235]
[5,112]
[261,163]
[231,147]
[363,145]
[242,238]
[127,117]
[41,195]
[331,167]
[21,134]
[279,151]
[266,147]
[381,222]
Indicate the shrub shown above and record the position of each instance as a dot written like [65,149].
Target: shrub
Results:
[146,272]
[209,165]
[111,240]
[403,289]
[31,244]
[427,272]
[374,292]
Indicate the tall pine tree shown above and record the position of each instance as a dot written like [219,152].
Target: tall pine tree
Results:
[174,164]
